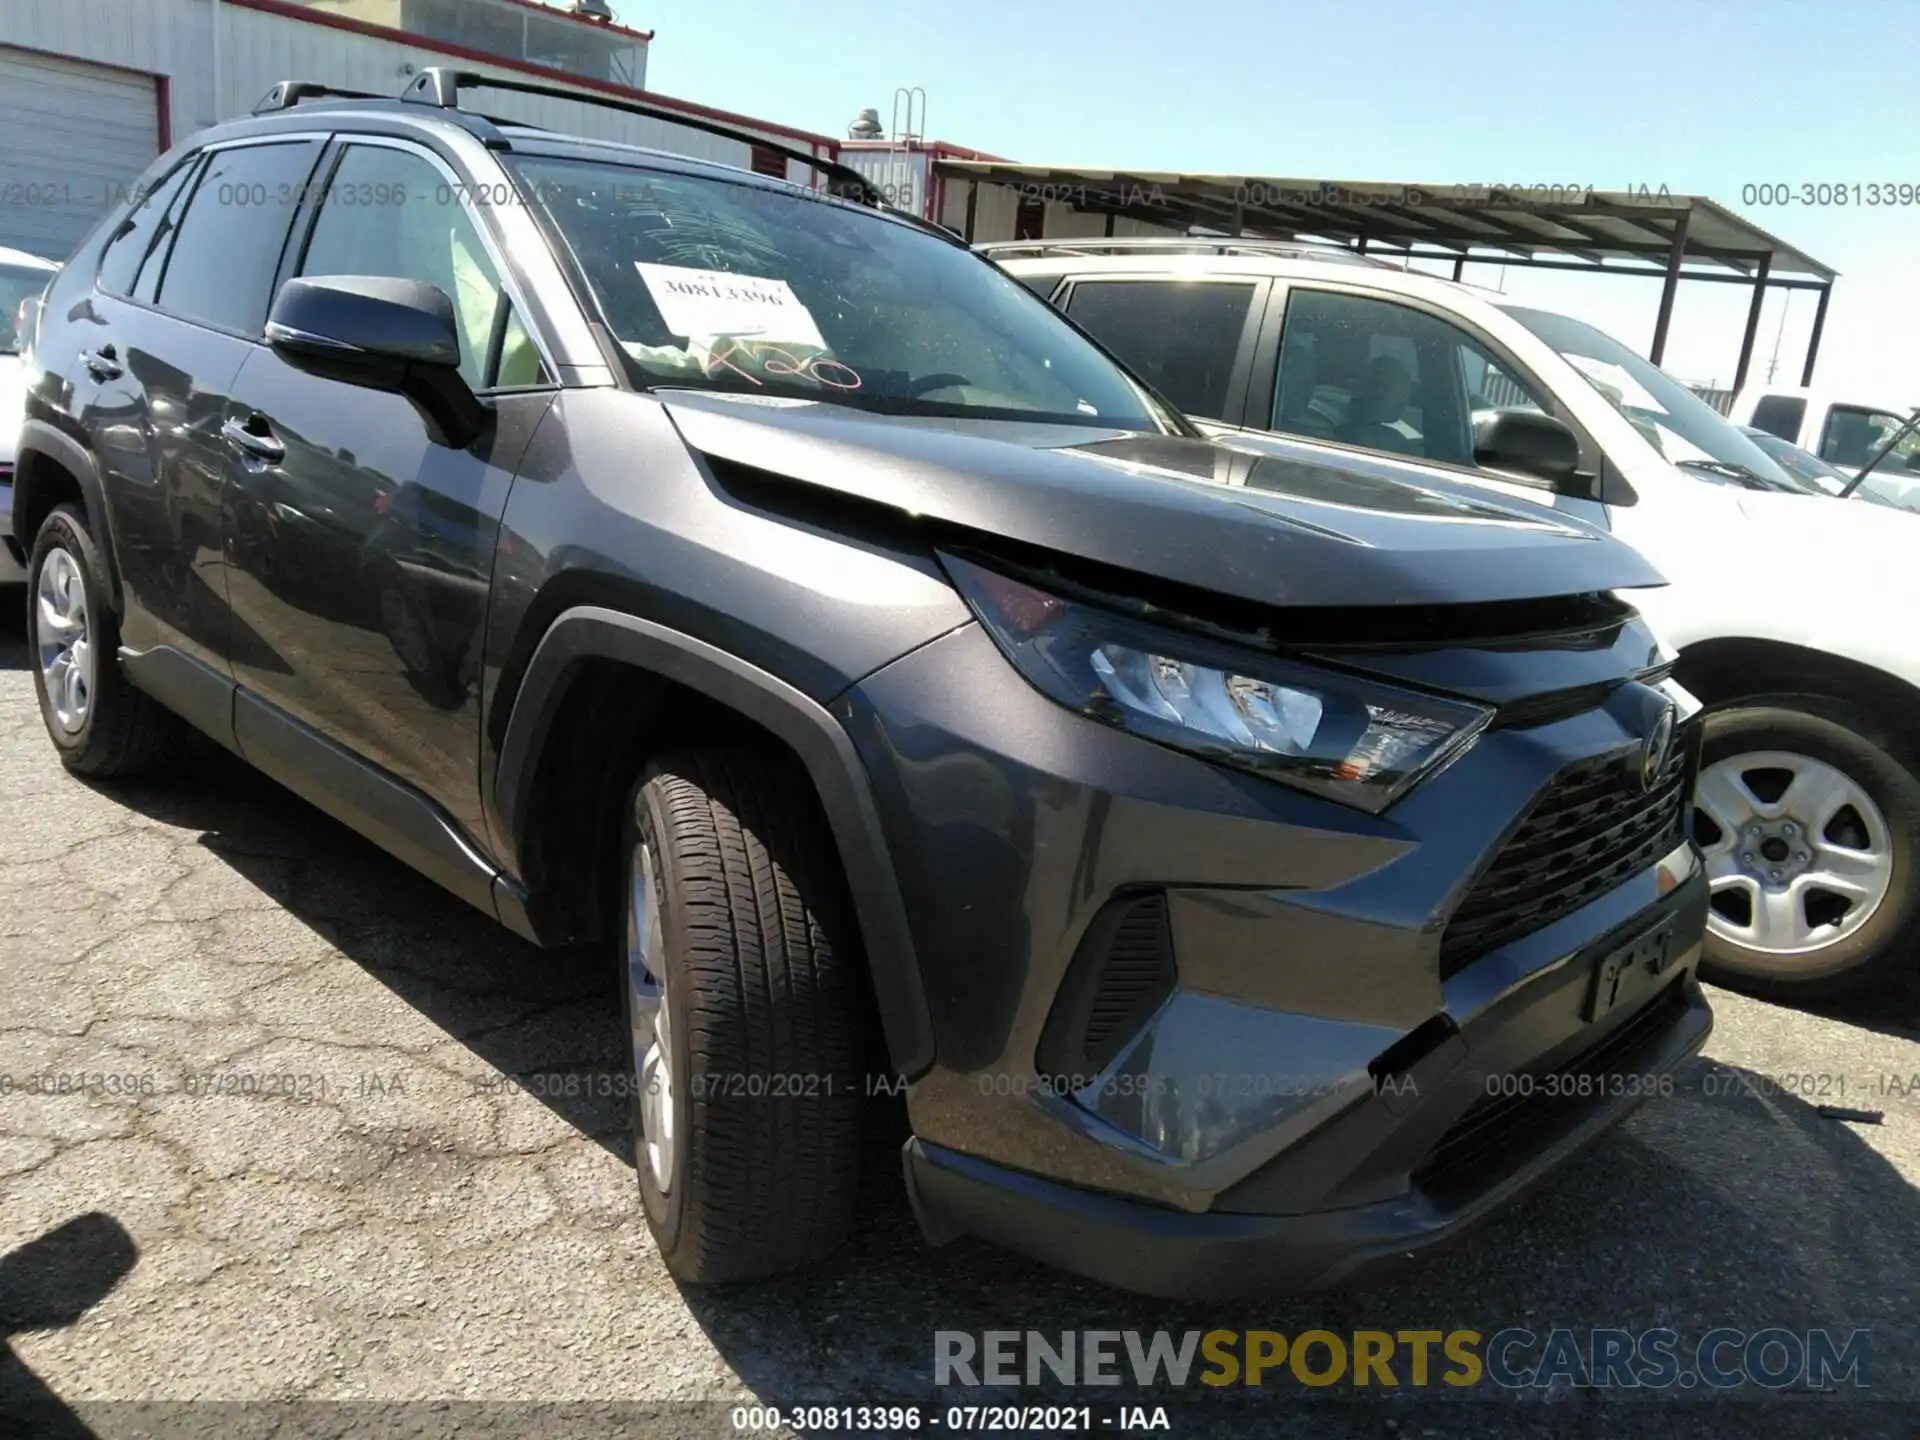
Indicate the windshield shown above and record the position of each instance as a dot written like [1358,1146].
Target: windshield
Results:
[17,283]
[1801,464]
[720,285]
[1676,422]
[1820,478]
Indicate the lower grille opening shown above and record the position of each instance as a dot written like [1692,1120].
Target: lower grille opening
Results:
[1499,1131]
[1121,973]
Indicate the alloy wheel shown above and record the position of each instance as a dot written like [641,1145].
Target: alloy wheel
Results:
[1798,854]
[649,1020]
[64,639]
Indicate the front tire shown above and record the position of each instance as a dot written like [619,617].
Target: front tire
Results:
[1808,813]
[745,1008]
[101,725]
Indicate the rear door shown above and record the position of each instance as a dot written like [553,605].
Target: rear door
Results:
[362,551]
[1193,340]
[182,290]
[1383,373]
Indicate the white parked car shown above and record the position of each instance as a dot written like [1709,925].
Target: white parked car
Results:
[22,278]
[1791,614]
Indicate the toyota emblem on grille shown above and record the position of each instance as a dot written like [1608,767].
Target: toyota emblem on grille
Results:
[1653,757]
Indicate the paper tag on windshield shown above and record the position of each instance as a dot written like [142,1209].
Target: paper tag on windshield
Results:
[1613,378]
[703,304]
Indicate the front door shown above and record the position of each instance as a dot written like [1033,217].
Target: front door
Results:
[362,551]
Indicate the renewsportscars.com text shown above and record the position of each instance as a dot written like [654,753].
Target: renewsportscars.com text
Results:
[1722,1359]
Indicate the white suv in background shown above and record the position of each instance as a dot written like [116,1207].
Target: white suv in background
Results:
[22,278]
[1792,614]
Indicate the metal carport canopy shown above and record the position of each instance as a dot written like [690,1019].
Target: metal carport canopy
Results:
[1646,232]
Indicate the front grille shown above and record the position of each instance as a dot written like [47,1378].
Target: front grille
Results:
[1498,1129]
[1591,829]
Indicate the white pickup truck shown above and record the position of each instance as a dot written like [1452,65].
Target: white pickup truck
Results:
[1791,612]
[1841,427]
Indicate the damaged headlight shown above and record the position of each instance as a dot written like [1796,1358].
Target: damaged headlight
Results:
[1349,739]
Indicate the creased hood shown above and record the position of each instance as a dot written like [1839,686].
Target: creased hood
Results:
[1274,529]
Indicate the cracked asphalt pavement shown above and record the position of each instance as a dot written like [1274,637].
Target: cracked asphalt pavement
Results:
[311,1185]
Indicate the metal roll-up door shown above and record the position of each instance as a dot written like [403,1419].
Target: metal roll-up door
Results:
[73,139]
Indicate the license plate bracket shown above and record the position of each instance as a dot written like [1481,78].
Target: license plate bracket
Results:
[1623,971]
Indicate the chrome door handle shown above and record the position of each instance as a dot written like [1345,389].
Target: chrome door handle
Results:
[104,363]
[260,447]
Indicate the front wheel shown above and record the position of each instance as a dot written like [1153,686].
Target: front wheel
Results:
[1809,818]
[746,1012]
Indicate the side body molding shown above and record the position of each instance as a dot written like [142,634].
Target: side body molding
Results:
[810,729]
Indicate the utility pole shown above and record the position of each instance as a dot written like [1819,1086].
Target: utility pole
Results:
[1786,302]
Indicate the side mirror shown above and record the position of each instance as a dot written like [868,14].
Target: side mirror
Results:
[1528,441]
[382,334]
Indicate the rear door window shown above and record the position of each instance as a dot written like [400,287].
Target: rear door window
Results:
[1183,337]
[227,251]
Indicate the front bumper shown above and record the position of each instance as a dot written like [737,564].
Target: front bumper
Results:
[1484,1133]
[1242,1110]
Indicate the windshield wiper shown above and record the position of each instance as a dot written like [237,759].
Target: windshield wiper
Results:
[1751,479]
[1881,454]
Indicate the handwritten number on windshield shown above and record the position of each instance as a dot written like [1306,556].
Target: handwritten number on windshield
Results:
[776,361]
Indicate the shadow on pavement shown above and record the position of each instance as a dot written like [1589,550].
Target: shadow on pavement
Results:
[1894,1012]
[526,1011]
[1705,1211]
[48,1284]
[14,654]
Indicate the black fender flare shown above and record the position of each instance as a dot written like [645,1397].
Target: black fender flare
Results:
[37,437]
[821,742]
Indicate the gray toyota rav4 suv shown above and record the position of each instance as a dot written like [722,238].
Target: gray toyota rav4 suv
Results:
[1248,866]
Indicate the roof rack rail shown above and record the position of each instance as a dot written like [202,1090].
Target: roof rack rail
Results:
[289,93]
[1176,245]
[440,85]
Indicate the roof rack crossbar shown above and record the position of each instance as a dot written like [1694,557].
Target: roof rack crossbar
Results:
[441,85]
[289,93]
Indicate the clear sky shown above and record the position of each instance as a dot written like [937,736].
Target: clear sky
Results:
[1703,96]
